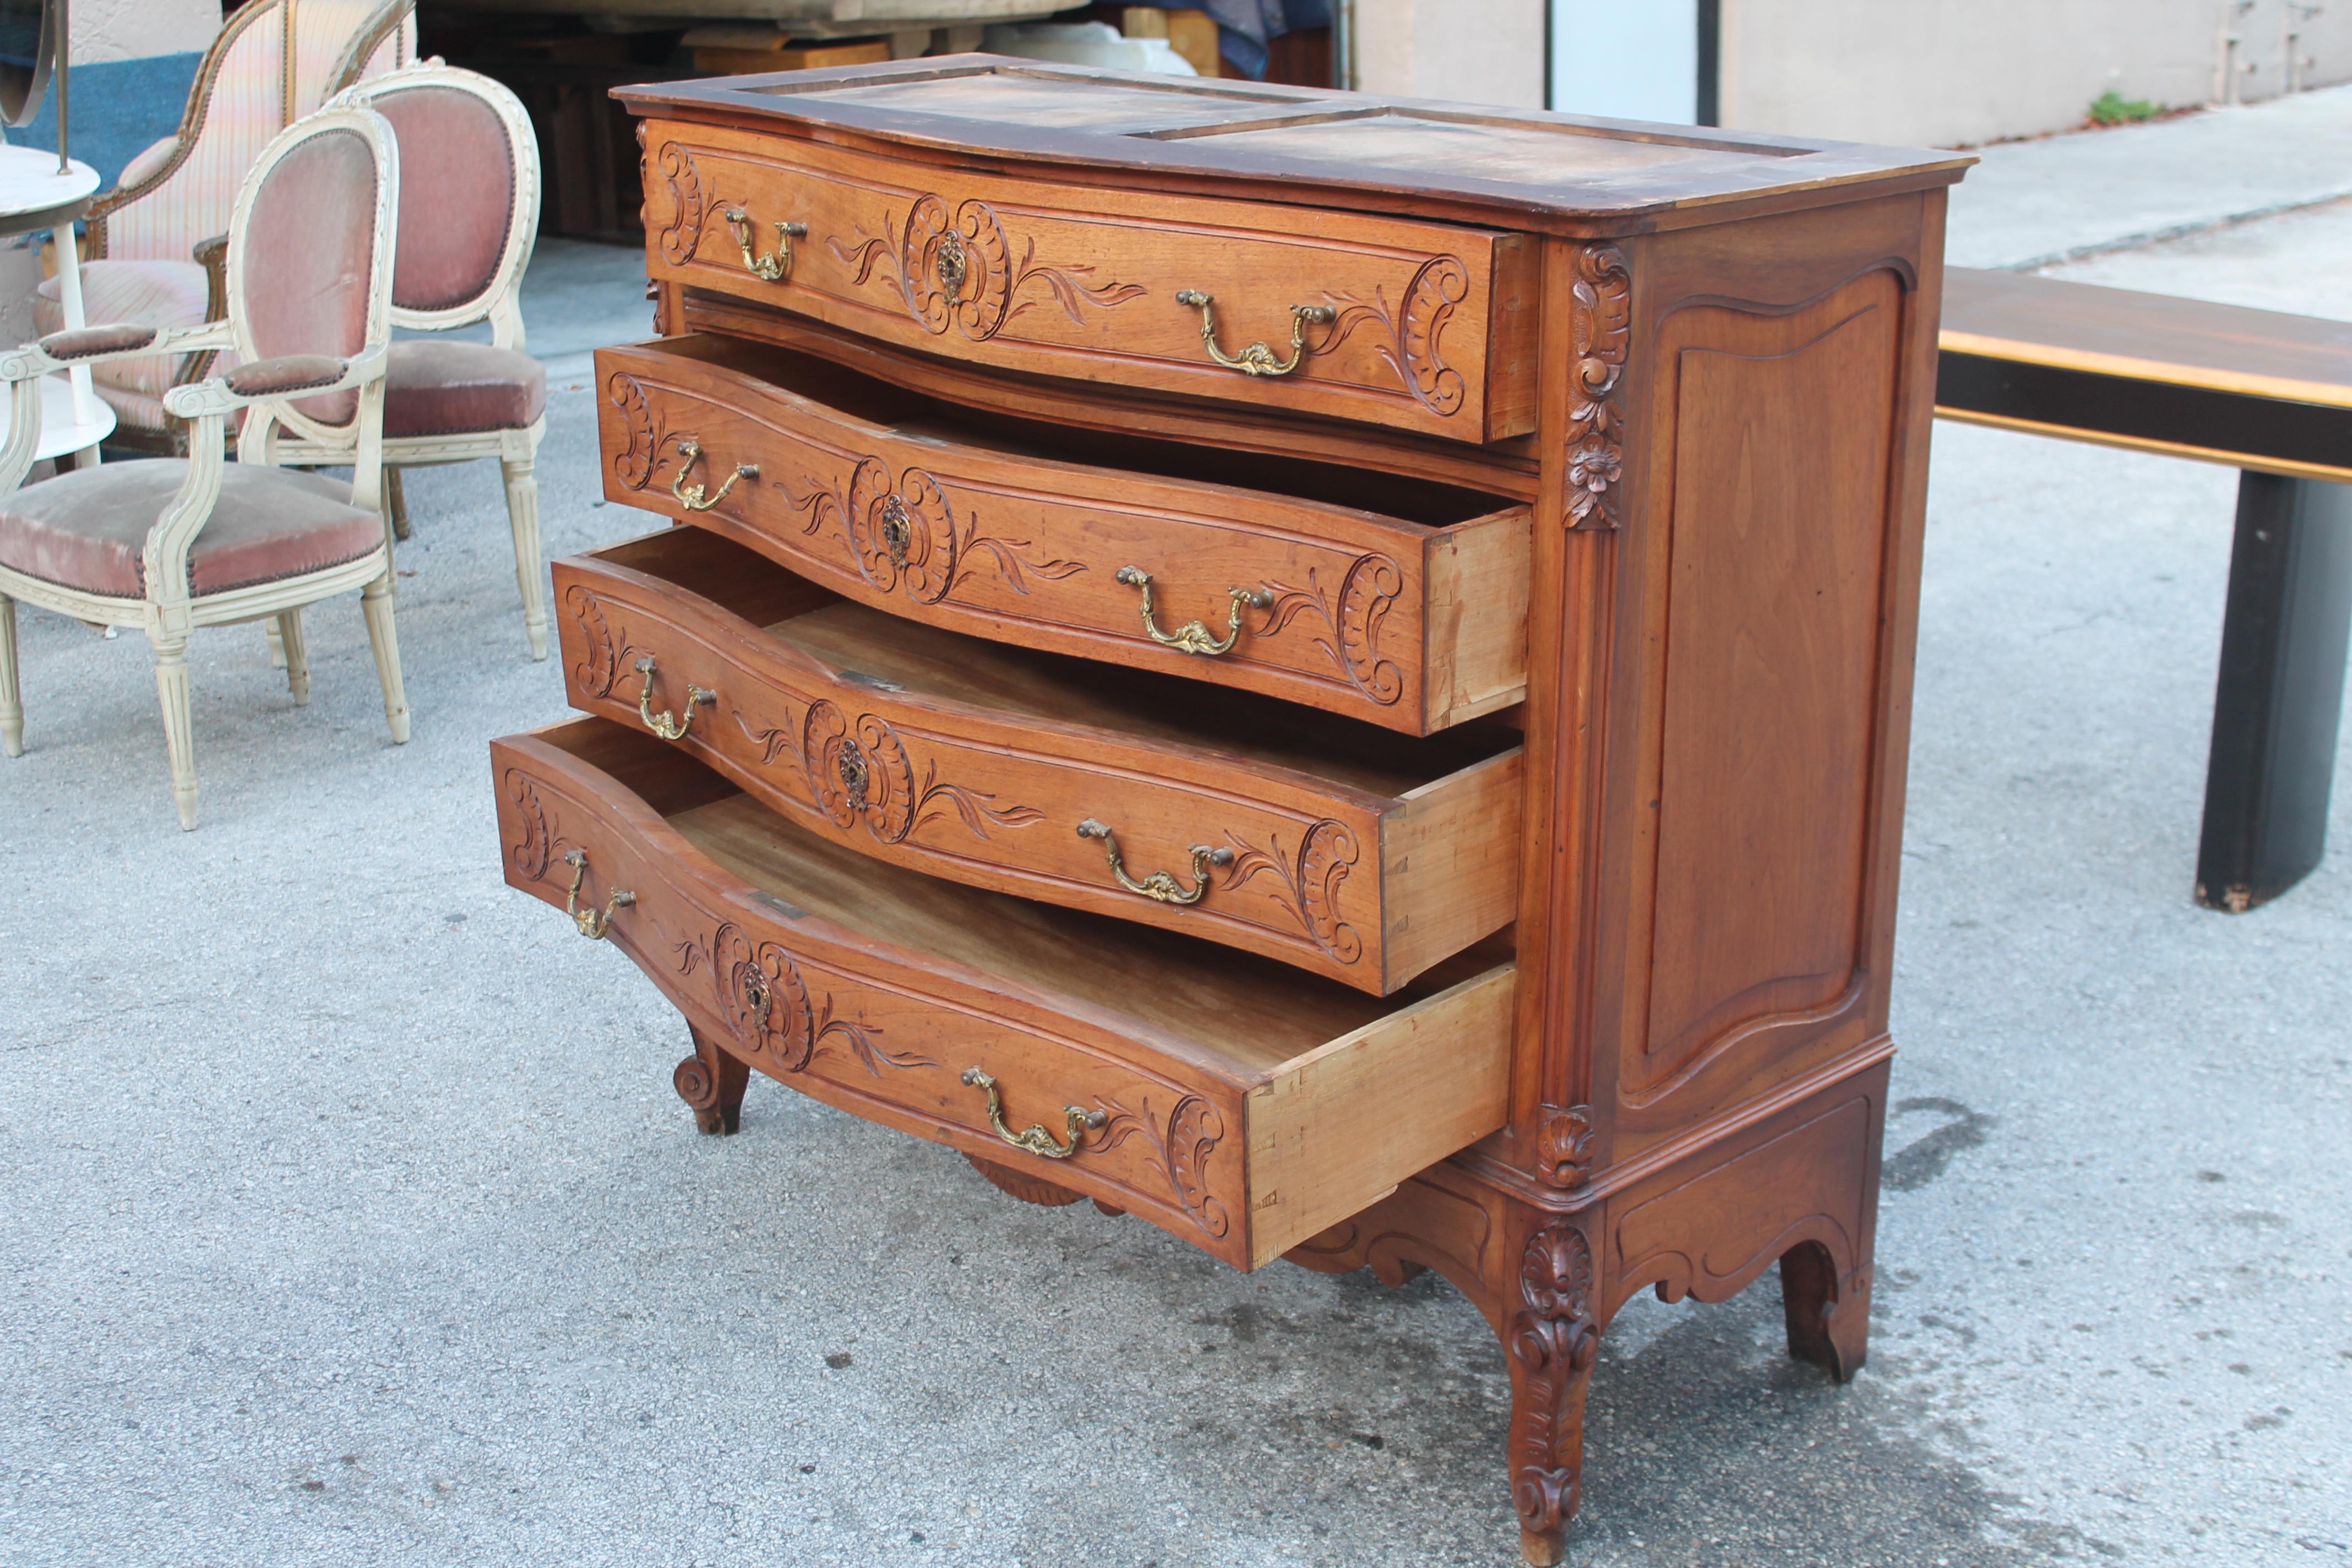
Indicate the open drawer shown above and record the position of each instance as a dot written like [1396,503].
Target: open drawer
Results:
[1342,849]
[1227,1099]
[1392,600]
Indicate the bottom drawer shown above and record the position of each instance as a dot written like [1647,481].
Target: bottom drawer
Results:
[1231,1100]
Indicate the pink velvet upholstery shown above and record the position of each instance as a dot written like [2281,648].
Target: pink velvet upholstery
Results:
[86,528]
[86,342]
[277,378]
[302,276]
[458,388]
[457,195]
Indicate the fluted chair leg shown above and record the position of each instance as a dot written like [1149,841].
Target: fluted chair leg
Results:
[12,705]
[523,514]
[179,729]
[377,603]
[289,627]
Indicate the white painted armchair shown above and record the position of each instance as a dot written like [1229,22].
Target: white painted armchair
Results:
[273,62]
[469,217]
[172,544]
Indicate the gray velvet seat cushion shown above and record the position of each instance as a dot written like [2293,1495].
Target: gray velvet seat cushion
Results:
[435,387]
[86,528]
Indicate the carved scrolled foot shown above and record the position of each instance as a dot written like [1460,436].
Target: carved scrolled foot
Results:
[1552,1341]
[711,1082]
[1829,1319]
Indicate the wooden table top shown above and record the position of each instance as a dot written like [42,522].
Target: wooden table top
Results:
[2148,337]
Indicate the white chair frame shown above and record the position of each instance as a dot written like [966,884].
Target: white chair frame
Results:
[501,304]
[169,611]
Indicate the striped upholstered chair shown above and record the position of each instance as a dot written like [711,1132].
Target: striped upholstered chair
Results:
[273,62]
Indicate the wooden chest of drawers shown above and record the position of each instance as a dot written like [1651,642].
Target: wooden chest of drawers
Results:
[1330,674]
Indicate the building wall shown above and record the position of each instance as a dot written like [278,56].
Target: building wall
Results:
[1935,73]
[134,29]
[1477,51]
[1939,73]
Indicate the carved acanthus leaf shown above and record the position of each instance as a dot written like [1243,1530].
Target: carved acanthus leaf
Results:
[1600,333]
[1552,1341]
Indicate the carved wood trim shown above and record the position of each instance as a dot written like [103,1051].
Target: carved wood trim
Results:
[1600,332]
[1564,1146]
[1551,1344]
[1367,593]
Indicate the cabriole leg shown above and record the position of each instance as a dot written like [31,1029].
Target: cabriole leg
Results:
[376,604]
[12,704]
[522,515]
[289,627]
[179,731]
[1552,1339]
[1828,1320]
[711,1082]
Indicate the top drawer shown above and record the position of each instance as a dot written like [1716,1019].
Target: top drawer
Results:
[1426,327]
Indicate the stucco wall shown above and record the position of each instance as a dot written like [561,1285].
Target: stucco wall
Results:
[136,29]
[1478,52]
[1944,72]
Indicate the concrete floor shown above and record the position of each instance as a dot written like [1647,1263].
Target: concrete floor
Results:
[350,1216]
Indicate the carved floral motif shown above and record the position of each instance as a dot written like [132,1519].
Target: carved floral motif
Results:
[1193,1130]
[1412,331]
[770,1010]
[1551,1344]
[907,535]
[599,666]
[1564,1145]
[1352,626]
[1310,880]
[1600,322]
[961,272]
[863,770]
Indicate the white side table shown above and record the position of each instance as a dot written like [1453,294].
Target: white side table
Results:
[34,195]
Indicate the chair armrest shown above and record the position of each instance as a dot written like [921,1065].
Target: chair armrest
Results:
[90,345]
[273,380]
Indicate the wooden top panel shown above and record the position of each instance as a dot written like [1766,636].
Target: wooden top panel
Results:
[1356,149]
[2148,337]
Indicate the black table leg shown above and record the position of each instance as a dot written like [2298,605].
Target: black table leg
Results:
[2282,690]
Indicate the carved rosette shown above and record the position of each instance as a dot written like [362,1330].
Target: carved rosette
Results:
[635,462]
[530,853]
[682,236]
[1564,1145]
[1551,1344]
[907,535]
[1367,591]
[1600,332]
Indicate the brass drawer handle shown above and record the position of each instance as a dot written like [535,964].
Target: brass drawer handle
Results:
[1161,886]
[770,268]
[1194,637]
[692,497]
[589,922]
[1257,359]
[661,723]
[1076,1121]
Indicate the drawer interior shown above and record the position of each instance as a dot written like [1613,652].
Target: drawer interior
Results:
[919,416]
[1033,685]
[1239,1015]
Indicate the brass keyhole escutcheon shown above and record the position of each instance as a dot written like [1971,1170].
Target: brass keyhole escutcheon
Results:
[756,992]
[855,774]
[951,262]
[898,530]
